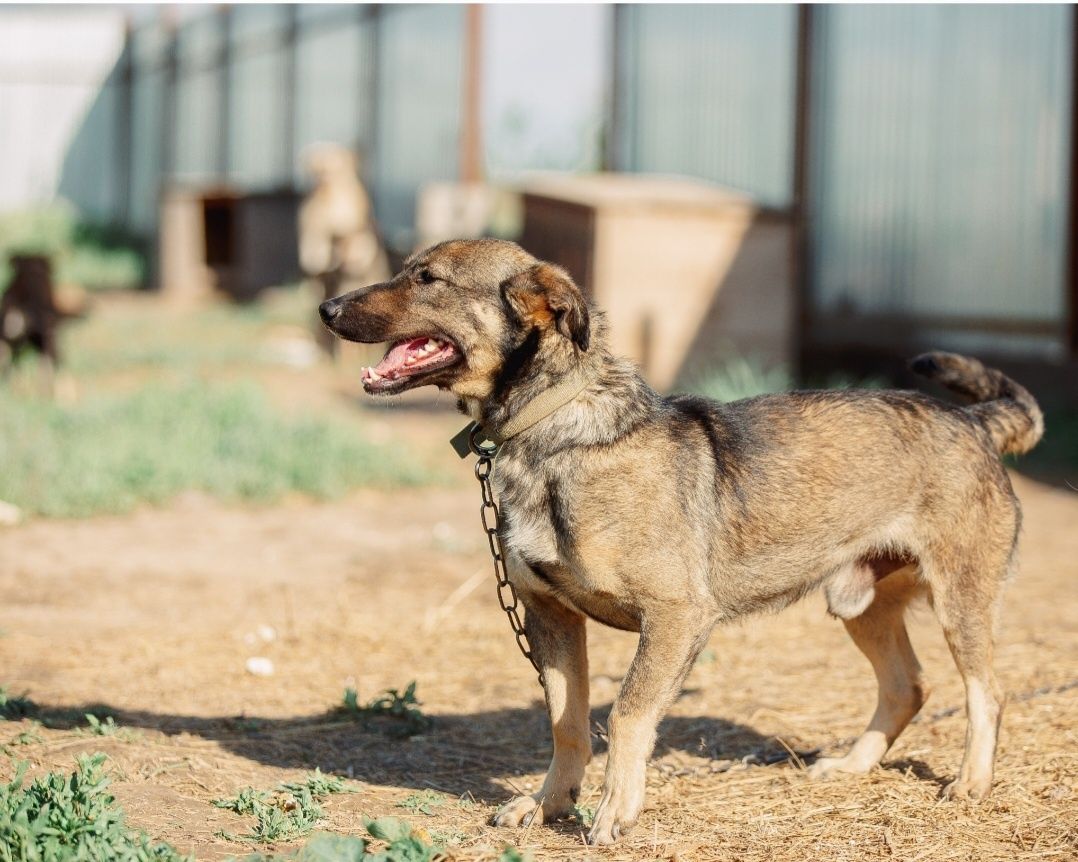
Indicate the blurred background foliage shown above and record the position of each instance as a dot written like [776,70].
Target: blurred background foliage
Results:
[92,255]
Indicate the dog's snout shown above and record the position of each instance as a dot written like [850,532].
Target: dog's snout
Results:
[329,310]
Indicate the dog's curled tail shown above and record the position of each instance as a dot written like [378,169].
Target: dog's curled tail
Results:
[1008,412]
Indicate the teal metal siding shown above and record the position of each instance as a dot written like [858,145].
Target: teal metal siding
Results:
[419,101]
[939,168]
[708,91]
[334,79]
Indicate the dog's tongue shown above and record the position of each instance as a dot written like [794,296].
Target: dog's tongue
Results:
[393,362]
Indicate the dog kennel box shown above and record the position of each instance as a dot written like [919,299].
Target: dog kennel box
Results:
[216,238]
[689,273]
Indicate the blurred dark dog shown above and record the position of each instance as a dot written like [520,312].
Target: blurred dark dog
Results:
[29,318]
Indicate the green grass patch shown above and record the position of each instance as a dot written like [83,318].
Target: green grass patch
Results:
[400,711]
[111,453]
[423,802]
[150,337]
[107,726]
[291,811]
[15,707]
[393,839]
[82,252]
[58,818]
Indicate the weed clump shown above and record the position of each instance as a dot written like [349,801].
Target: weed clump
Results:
[399,711]
[291,811]
[423,802]
[399,843]
[63,817]
[106,726]
[14,708]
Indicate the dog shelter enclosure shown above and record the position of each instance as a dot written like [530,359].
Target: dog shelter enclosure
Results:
[922,156]
[925,152]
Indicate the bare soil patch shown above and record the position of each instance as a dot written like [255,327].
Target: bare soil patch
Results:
[153,616]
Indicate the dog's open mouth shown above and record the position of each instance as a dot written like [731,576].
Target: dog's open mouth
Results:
[407,360]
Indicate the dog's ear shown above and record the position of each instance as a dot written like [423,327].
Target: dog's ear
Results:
[545,296]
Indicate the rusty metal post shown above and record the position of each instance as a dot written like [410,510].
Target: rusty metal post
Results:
[471,139]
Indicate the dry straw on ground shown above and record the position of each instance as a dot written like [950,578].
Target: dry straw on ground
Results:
[152,616]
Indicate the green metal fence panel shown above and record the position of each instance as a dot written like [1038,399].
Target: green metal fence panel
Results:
[708,91]
[939,176]
[148,117]
[200,83]
[335,79]
[258,152]
[419,86]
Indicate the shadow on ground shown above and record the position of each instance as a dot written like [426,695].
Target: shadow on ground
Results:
[457,754]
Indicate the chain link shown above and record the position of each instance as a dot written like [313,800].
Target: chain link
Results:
[507,594]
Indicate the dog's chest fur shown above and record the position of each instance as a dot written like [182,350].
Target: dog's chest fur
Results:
[536,518]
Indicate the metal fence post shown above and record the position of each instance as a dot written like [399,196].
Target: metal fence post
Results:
[224,73]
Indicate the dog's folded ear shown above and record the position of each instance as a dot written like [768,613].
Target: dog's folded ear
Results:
[545,296]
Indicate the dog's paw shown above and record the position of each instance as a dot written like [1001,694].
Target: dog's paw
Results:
[971,791]
[826,767]
[529,810]
[832,767]
[608,829]
[613,818]
[519,811]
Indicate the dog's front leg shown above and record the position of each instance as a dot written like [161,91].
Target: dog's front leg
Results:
[557,638]
[667,650]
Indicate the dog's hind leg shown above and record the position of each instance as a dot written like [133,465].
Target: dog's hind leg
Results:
[967,607]
[880,633]
[557,638]
[666,652]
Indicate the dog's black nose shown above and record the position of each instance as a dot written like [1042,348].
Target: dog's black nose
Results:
[329,310]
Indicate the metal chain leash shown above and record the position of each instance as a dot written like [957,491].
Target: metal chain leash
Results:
[507,594]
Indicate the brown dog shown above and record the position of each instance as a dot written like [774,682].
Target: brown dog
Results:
[665,516]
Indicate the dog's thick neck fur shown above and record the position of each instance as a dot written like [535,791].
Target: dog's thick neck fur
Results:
[616,400]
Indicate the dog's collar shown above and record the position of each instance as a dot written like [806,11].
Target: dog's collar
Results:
[541,406]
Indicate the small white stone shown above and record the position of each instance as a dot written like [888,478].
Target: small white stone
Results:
[267,633]
[10,514]
[259,666]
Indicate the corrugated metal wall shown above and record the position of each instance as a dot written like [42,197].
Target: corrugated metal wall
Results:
[939,145]
[939,173]
[259,155]
[200,87]
[255,86]
[708,91]
[419,100]
[149,46]
[335,74]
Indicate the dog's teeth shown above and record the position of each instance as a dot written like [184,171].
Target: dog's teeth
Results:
[373,375]
[430,345]
[411,360]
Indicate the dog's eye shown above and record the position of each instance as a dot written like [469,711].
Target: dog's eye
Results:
[425,276]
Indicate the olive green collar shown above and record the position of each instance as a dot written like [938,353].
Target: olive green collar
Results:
[472,437]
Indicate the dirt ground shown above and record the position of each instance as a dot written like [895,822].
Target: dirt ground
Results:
[153,616]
